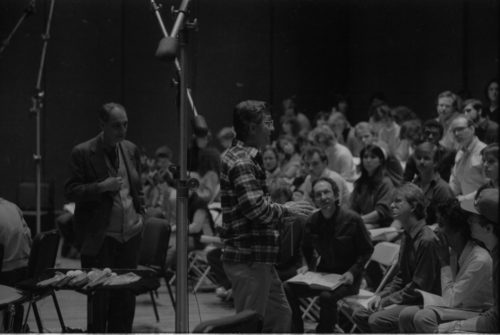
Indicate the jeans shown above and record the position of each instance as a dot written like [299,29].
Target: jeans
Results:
[257,287]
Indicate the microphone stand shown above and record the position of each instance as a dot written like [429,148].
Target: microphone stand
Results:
[36,109]
[30,9]
[167,50]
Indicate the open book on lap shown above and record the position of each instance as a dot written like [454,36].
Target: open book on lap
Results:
[438,304]
[317,280]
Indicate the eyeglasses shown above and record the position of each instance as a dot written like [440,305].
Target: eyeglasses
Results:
[458,129]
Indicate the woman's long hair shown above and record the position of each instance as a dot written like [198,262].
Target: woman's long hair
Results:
[378,174]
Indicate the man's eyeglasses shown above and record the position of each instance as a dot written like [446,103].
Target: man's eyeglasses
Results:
[458,129]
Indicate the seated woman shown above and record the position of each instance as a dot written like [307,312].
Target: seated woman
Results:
[466,270]
[270,162]
[289,158]
[208,171]
[372,193]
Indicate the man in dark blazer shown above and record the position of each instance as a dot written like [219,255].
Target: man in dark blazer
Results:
[105,184]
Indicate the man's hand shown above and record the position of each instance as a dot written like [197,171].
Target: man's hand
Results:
[111,184]
[299,208]
[443,250]
[302,270]
[374,304]
[347,278]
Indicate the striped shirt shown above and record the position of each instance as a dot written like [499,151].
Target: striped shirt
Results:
[249,218]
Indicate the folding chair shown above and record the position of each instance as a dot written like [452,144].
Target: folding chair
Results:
[246,321]
[152,255]
[42,257]
[199,267]
[386,255]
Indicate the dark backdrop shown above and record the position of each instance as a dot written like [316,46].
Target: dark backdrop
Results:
[102,50]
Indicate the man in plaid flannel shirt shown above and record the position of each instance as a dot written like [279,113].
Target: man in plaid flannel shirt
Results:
[250,220]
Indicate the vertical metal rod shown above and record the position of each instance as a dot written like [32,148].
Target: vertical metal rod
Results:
[182,310]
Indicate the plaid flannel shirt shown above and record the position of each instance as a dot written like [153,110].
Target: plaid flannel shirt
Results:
[249,218]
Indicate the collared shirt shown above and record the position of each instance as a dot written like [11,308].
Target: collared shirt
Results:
[467,174]
[467,283]
[437,193]
[486,322]
[418,267]
[342,242]
[344,188]
[249,218]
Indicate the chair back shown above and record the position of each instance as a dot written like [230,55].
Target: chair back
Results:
[43,252]
[155,240]
[385,253]
[246,321]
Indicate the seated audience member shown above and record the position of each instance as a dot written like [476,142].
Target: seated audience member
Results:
[492,99]
[435,189]
[467,174]
[290,126]
[401,114]
[448,107]
[489,157]
[316,163]
[465,275]
[15,238]
[271,164]
[433,132]
[208,172]
[364,133]
[484,228]
[418,265]
[289,158]
[290,109]
[486,129]
[320,119]
[372,193]
[338,236]
[339,157]
[410,135]
[389,129]
[341,127]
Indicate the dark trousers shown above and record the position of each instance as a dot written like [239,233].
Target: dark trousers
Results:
[11,278]
[327,303]
[113,311]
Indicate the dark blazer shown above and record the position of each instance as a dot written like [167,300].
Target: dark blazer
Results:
[88,168]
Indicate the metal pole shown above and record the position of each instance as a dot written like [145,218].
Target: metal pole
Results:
[37,110]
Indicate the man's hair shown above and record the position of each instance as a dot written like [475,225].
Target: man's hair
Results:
[329,136]
[415,197]
[476,104]
[335,188]
[280,189]
[490,150]
[456,102]
[106,110]
[362,126]
[246,113]
[430,147]
[311,150]
[451,215]
[433,123]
